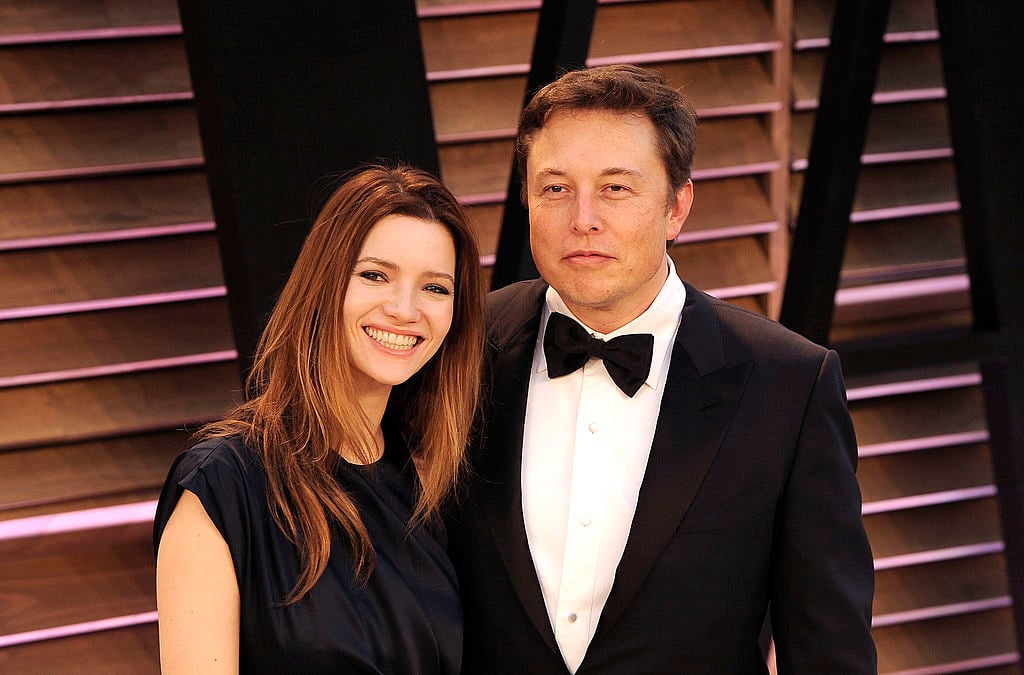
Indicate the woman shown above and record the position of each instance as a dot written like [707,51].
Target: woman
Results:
[300,534]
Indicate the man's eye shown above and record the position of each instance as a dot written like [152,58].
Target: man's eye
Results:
[555,188]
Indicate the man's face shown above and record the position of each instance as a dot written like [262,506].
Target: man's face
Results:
[600,213]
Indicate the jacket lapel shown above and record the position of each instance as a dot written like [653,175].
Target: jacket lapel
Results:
[511,344]
[701,395]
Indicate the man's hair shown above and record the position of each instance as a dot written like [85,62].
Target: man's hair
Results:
[617,89]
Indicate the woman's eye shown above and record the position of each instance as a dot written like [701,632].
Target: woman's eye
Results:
[372,276]
[440,290]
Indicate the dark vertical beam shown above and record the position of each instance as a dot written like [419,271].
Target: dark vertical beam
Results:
[286,94]
[837,143]
[1008,467]
[562,43]
[982,51]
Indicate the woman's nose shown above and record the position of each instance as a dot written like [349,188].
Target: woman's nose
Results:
[401,306]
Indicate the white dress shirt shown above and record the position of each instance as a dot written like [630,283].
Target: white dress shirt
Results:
[585,450]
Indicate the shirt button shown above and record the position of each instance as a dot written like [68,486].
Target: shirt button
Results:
[572,617]
[594,427]
[585,520]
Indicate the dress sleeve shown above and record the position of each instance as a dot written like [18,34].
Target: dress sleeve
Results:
[226,483]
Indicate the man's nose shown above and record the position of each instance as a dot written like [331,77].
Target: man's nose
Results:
[585,217]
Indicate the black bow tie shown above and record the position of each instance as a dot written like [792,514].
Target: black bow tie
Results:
[627,358]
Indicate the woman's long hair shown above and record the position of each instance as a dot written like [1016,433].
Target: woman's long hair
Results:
[301,407]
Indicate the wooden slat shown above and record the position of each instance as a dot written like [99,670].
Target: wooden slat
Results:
[898,132]
[726,268]
[488,108]
[476,108]
[912,416]
[125,650]
[500,43]
[496,43]
[930,528]
[727,147]
[932,585]
[725,85]
[81,471]
[923,472]
[82,410]
[688,28]
[54,145]
[943,643]
[907,72]
[903,307]
[35,20]
[107,272]
[909,20]
[90,343]
[898,191]
[728,207]
[93,73]
[905,248]
[73,579]
[47,213]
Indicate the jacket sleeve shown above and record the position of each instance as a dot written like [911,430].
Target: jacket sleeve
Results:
[822,576]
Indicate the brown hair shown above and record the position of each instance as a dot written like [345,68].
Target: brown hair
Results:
[618,89]
[300,410]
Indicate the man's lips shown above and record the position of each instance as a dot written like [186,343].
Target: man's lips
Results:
[587,257]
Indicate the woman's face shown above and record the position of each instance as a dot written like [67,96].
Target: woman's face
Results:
[400,301]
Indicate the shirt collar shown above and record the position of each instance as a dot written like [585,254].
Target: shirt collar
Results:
[661,320]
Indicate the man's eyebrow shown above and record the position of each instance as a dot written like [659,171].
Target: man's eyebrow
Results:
[620,171]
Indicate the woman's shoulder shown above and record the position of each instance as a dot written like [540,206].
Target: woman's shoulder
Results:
[227,454]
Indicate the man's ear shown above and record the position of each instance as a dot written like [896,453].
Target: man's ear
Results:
[679,210]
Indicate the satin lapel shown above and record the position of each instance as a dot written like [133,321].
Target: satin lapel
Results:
[696,411]
[501,498]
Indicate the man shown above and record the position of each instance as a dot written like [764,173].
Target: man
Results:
[645,521]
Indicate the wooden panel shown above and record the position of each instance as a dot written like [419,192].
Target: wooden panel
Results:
[728,147]
[949,582]
[127,650]
[632,31]
[922,472]
[98,206]
[906,316]
[930,528]
[102,272]
[92,73]
[95,340]
[20,20]
[725,268]
[949,640]
[897,191]
[483,108]
[724,86]
[81,471]
[82,410]
[728,207]
[476,108]
[908,20]
[912,416]
[906,72]
[897,132]
[111,573]
[496,42]
[117,140]
[500,43]
[906,248]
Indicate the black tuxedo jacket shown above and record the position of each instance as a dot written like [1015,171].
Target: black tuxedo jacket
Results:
[749,500]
